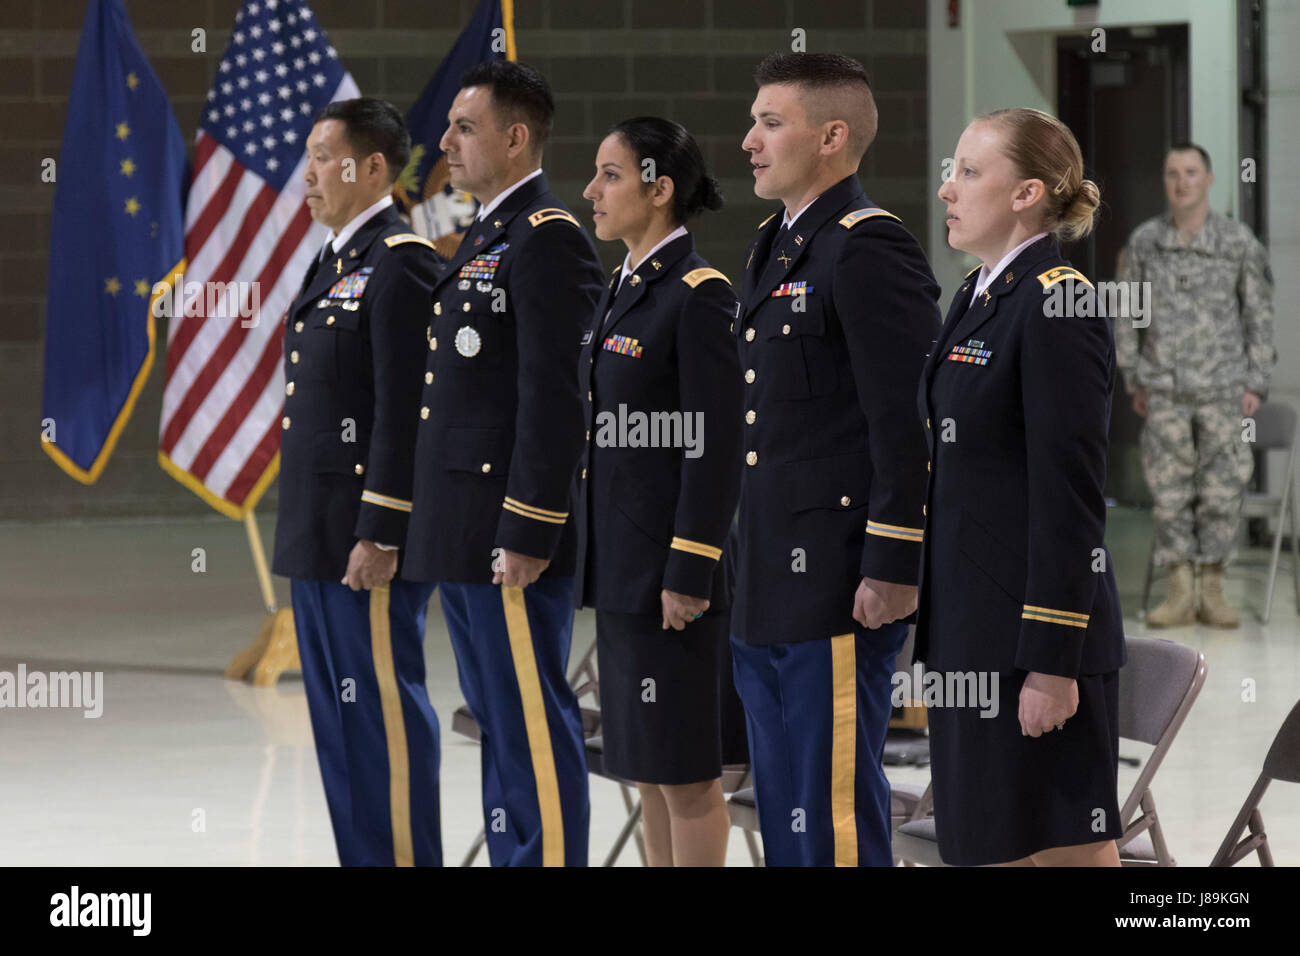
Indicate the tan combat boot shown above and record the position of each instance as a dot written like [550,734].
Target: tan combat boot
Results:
[1179,606]
[1214,610]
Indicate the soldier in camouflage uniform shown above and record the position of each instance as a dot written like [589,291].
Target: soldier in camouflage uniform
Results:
[1198,368]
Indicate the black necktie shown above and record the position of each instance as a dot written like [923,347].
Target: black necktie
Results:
[315,265]
[613,299]
[778,244]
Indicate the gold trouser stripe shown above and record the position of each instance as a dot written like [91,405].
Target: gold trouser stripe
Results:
[528,514]
[535,724]
[1051,610]
[844,739]
[399,768]
[536,510]
[697,547]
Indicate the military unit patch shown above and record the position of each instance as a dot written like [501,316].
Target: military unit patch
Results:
[623,345]
[352,285]
[792,288]
[972,352]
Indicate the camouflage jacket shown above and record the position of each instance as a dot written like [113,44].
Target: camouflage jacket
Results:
[1210,309]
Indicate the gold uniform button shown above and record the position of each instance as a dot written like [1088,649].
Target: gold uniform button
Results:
[424,412]
[749,335]
[588,434]
[749,376]
[433,344]
[360,469]
[487,466]
[922,509]
[428,378]
[584,474]
[750,416]
[329,320]
[288,389]
[465,307]
[927,466]
[293,356]
[284,423]
[846,501]
[785,330]
[297,326]
[751,458]
[437,308]
[588,395]
[927,423]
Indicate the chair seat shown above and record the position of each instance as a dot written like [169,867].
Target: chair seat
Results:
[463,723]
[1139,851]
[916,842]
[743,811]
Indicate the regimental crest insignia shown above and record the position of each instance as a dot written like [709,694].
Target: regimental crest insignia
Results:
[468,341]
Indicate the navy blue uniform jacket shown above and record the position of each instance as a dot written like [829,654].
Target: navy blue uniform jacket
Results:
[353,353]
[500,417]
[651,518]
[1015,404]
[835,465]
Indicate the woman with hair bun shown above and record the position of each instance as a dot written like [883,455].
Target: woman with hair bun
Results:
[658,486]
[1017,589]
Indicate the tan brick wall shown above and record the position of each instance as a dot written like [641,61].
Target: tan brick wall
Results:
[690,60]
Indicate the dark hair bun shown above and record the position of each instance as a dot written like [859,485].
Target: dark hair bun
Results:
[710,196]
[677,156]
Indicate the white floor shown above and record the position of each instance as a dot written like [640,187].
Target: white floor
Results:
[186,768]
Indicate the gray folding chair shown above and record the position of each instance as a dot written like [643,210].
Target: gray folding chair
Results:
[1157,688]
[1281,763]
[1275,430]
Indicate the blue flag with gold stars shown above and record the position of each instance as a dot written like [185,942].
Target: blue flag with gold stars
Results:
[116,241]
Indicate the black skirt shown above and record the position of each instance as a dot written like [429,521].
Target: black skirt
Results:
[1000,796]
[666,698]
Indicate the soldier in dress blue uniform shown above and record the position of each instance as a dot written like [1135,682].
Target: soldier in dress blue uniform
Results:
[500,433]
[354,345]
[1017,583]
[839,309]
[657,488]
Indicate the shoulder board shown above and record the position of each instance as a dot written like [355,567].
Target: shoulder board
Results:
[405,237]
[972,272]
[546,215]
[696,276]
[766,221]
[1060,274]
[853,218]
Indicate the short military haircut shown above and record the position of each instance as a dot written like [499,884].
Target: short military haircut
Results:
[519,95]
[1185,145]
[372,126]
[839,87]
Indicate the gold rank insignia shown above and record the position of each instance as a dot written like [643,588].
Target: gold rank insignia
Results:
[546,215]
[338,266]
[853,218]
[1010,276]
[657,265]
[1060,274]
[635,280]
[987,296]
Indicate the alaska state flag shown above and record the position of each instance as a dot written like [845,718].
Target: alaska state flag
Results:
[437,211]
[116,234]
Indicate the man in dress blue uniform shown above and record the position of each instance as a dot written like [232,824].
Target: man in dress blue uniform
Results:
[839,311]
[499,436]
[354,344]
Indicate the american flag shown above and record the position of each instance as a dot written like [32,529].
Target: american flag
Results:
[245,222]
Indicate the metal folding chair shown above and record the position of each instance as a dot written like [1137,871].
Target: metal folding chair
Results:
[1157,688]
[1281,763]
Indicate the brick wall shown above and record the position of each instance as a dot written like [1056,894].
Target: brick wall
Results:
[690,60]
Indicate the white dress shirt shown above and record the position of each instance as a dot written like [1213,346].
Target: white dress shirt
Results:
[500,197]
[335,242]
[985,277]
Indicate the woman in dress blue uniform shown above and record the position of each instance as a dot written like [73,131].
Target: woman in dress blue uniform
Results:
[1016,581]
[657,487]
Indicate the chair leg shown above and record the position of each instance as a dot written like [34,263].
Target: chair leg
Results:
[474,848]
[1227,855]
[1151,571]
[1257,831]
[1277,553]
[633,820]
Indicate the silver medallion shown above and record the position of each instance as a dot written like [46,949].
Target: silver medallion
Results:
[468,341]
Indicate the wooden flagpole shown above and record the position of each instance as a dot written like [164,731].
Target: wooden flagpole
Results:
[275,649]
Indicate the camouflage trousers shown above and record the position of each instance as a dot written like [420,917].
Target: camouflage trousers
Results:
[1197,465]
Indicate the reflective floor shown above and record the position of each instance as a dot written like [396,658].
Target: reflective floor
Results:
[186,768]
